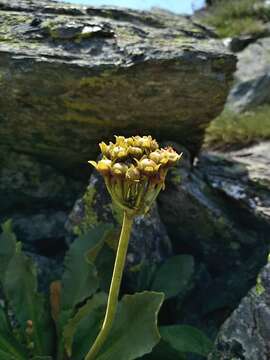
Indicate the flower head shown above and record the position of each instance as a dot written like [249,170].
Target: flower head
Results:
[134,170]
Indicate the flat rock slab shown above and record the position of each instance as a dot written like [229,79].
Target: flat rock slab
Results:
[252,78]
[73,75]
[243,176]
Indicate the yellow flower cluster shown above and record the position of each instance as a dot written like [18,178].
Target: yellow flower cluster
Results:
[134,170]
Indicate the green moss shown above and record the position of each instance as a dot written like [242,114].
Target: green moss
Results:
[80,105]
[8,22]
[238,130]
[90,217]
[235,17]
[259,289]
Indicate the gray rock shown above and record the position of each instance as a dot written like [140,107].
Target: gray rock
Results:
[218,211]
[245,335]
[252,78]
[26,182]
[239,43]
[43,232]
[243,176]
[72,75]
[38,198]
[149,240]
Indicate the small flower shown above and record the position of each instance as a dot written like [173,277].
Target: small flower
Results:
[105,149]
[135,151]
[118,152]
[155,156]
[133,174]
[169,156]
[119,169]
[103,166]
[148,166]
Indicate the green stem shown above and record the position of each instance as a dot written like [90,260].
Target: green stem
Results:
[114,288]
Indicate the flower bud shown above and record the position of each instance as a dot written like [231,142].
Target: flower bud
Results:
[133,174]
[120,140]
[103,166]
[105,149]
[131,141]
[169,156]
[29,323]
[148,166]
[119,169]
[135,151]
[155,156]
[118,152]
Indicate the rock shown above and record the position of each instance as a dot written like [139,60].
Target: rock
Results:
[72,76]
[43,232]
[27,182]
[218,211]
[252,78]
[149,240]
[239,43]
[48,270]
[38,198]
[245,335]
[243,176]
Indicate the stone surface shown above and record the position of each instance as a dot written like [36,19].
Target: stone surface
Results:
[239,43]
[218,211]
[243,176]
[48,270]
[149,240]
[71,76]
[38,198]
[252,78]
[245,335]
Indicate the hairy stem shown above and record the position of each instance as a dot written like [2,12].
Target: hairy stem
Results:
[114,288]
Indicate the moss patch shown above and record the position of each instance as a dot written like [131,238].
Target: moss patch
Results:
[259,289]
[231,130]
[90,217]
[235,17]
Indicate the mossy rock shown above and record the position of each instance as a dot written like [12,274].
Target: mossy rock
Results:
[69,80]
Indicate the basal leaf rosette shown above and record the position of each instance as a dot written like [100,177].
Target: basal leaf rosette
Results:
[134,170]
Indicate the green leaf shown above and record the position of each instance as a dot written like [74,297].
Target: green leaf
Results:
[80,278]
[163,351]
[144,273]
[4,325]
[88,329]
[186,339]
[173,276]
[7,247]
[97,301]
[135,331]
[20,288]
[108,238]
[9,346]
